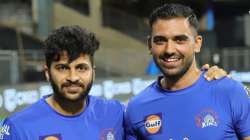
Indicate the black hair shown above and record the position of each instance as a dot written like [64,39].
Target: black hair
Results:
[168,11]
[73,40]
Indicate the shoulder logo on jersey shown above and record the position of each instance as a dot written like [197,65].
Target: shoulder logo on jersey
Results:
[4,131]
[51,137]
[153,123]
[207,118]
[107,134]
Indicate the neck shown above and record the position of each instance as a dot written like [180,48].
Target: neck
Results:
[65,107]
[182,81]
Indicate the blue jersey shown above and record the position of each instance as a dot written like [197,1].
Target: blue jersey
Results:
[207,110]
[101,120]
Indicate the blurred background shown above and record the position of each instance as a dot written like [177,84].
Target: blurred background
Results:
[124,65]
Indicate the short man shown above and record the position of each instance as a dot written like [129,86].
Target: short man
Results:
[182,105]
[70,113]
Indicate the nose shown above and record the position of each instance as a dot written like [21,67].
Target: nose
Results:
[170,47]
[73,76]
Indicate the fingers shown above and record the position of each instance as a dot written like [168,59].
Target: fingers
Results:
[229,76]
[214,73]
[205,67]
[220,74]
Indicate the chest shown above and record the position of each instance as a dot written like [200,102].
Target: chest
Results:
[76,130]
[184,119]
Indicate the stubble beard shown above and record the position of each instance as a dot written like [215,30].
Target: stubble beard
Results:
[174,76]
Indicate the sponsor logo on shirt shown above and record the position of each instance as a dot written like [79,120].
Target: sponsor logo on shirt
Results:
[107,134]
[207,118]
[51,137]
[4,130]
[153,123]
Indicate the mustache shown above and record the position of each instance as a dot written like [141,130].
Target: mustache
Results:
[166,55]
[73,83]
[169,55]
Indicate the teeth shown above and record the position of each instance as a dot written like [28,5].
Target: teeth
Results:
[172,59]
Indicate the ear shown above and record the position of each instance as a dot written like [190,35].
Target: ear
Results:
[46,72]
[149,42]
[93,72]
[198,43]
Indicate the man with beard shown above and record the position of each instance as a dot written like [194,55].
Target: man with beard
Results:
[181,104]
[69,113]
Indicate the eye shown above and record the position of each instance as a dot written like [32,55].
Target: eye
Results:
[159,40]
[181,39]
[62,67]
[82,68]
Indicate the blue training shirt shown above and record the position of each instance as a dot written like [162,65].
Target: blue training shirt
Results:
[207,110]
[101,120]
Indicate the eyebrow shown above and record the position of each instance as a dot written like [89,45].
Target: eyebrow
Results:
[68,64]
[163,38]
[60,64]
[181,37]
[82,64]
[159,38]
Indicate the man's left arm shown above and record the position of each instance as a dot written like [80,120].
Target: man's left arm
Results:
[248,92]
[240,103]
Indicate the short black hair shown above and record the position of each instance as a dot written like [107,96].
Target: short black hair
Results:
[168,11]
[73,40]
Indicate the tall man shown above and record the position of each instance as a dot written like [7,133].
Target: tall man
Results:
[182,105]
[69,113]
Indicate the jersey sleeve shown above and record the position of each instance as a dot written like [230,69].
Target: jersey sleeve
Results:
[129,131]
[241,110]
[129,134]
[8,131]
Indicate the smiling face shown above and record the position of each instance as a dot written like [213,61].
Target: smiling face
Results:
[70,81]
[173,45]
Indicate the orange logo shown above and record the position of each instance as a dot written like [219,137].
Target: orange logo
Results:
[51,138]
[153,124]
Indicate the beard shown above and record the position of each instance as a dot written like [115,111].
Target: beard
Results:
[60,95]
[179,71]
